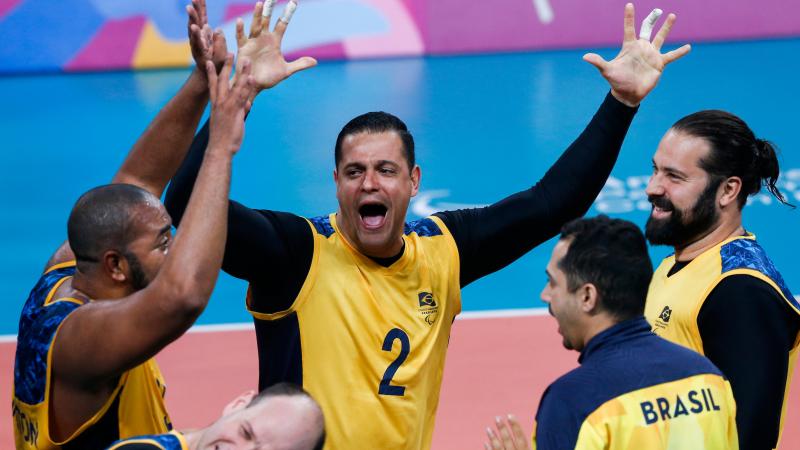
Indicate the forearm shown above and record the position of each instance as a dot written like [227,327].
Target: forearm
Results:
[196,255]
[180,188]
[492,237]
[744,324]
[159,151]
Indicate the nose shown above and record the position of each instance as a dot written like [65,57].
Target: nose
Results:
[370,182]
[544,296]
[654,186]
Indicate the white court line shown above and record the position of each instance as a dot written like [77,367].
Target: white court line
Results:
[247,326]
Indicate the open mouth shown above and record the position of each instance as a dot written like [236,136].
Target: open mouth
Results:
[660,212]
[373,215]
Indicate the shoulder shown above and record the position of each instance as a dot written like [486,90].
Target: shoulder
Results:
[745,255]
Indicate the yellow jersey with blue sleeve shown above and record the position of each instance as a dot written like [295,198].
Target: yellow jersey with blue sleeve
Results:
[675,298]
[379,367]
[135,407]
[634,390]
[169,441]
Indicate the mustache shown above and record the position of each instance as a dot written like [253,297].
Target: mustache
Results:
[661,202]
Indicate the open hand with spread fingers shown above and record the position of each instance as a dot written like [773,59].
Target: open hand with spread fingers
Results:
[509,435]
[637,68]
[263,47]
[229,105]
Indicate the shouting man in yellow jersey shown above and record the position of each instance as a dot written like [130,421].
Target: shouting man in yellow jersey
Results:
[720,294]
[282,417]
[633,390]
[121,288]
[357,305]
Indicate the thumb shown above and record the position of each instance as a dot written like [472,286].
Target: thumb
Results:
[306,62]
[596,60]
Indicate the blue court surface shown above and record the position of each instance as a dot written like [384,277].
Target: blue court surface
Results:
[485,127]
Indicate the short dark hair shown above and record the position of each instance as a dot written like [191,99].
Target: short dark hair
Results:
[735,151]
[612,255]
[101,219]
[290,390]
[377,122]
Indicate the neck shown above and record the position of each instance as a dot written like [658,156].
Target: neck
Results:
[93,289]
[599,323]
[724,230]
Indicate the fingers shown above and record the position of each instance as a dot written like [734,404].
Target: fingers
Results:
[306,62]
[266,13]
[676,54]
[493,439]
[505,433]
[596,60]
[200,6]
[648,23]
[255,25]
[242,87]
[240,37]
[286,17]
[224,76]
[219,43]
[662,34]
[211,73]
[194,17]
[630,31]
[516,429]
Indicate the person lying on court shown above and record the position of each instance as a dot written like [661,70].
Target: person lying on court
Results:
[282,417]
[356,306]
[633,389]
[122,288]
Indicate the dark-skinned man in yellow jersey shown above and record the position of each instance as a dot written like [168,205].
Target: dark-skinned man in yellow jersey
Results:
[356,306]
[122,288]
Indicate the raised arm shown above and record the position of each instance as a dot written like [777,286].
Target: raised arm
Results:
[492,237]
[256,239]
[103,339]
[158,152]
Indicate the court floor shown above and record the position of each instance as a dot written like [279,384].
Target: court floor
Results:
[486,126]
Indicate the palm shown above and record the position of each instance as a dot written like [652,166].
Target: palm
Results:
[268,66]
[263,49]
[637,68]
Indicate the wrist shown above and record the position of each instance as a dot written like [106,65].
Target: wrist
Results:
[627,101]
[197,84]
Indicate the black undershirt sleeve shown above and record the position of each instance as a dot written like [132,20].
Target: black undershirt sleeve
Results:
[265,248]
[747,330]
[492,237]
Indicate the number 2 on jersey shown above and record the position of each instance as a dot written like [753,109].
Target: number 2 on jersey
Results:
[385,387]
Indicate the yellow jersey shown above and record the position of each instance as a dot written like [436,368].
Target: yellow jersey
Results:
[372,338]
[674,302]
[135,407]
[169,441]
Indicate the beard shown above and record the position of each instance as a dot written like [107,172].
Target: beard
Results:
[682,228]
[139,279]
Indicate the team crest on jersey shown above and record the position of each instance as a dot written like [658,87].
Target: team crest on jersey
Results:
[428,308]
[661,322]
[666,314]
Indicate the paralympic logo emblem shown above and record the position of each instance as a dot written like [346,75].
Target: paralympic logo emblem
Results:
[428,308]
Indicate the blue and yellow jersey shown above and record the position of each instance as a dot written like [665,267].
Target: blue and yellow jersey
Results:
[371,340]
[674,302]
[135,407]
[635,390]
[169,441]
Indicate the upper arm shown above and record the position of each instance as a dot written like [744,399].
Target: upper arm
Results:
[265,246]
[104,338]
[747,332]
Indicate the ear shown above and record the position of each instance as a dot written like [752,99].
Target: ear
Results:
[115,265]
[730,191]
[416,176]
[588,298]
[239,403]
[335,176]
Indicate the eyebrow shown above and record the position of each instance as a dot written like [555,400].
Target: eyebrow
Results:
[672,170]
